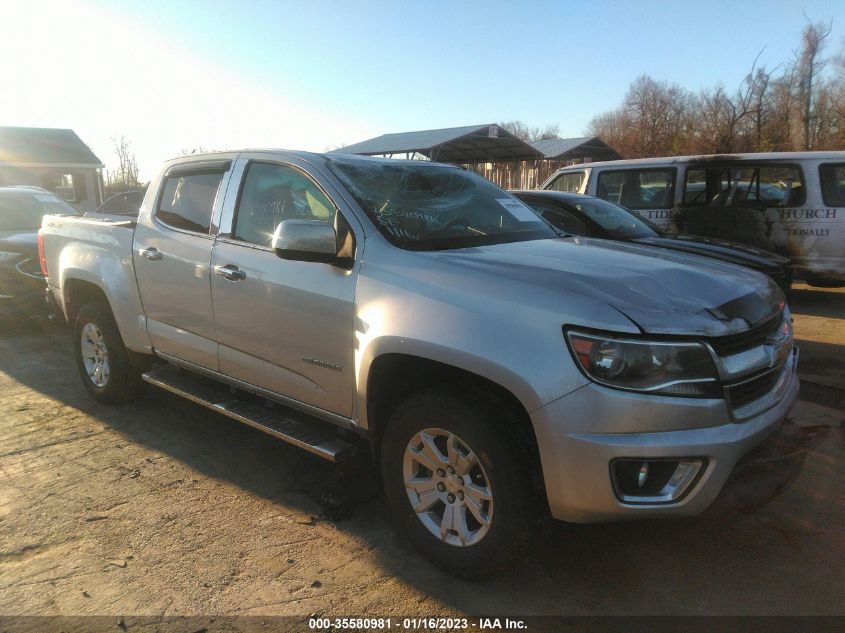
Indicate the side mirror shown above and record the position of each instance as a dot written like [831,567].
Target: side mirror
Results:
[308,241]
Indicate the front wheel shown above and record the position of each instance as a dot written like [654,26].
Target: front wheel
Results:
[101,357]
[457,480]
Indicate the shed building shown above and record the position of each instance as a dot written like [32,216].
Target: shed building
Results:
[55,159]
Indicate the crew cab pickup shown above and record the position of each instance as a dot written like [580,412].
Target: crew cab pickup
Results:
[417,315]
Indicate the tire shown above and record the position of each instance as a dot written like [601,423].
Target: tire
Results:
[476,550]
[117,380]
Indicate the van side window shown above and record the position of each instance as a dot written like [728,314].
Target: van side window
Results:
[638,188]
[833,184]
[745,185]
[569,182]
[272,193]
[188,200]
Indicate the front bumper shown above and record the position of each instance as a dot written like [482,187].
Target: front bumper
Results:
[580,434]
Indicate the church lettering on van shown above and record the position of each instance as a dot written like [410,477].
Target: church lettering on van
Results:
[808,214]
[816,232]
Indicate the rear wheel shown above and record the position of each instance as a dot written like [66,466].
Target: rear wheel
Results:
[457,480]
[101,357]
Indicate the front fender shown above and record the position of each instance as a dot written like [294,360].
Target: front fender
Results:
[486,368]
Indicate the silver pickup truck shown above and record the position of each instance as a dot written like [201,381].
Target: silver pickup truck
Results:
[416,314]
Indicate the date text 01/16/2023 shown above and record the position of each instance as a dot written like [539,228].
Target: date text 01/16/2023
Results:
[416,623]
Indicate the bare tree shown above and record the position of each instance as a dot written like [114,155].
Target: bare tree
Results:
[654,119]
[726,118]
[527,133]
[797,105]
[777,132]
[761,111]
[614,128]
[810,65]
[126,174]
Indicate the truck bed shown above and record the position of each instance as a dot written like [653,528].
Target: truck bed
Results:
[91,253]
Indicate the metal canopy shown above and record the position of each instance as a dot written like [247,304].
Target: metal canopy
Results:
[468,144]
[570,147]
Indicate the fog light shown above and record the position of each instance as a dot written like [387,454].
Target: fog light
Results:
[654,481]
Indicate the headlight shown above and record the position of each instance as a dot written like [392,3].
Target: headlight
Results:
[670,368]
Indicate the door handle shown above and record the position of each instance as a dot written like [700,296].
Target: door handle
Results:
[151,253]
[230,272]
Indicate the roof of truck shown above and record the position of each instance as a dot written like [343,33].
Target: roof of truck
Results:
[326,156]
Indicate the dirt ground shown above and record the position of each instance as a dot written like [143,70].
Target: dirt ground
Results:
[162,508]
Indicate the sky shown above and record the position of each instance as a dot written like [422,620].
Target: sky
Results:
[176,75]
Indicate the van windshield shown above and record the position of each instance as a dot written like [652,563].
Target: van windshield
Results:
[425,206]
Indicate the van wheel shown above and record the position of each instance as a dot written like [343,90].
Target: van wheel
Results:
[101,357]
[458,483]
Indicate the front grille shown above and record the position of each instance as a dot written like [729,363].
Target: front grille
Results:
[736,343]
[748,391]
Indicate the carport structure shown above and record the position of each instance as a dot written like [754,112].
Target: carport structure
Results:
[465,145]
[566,151]
[489,150]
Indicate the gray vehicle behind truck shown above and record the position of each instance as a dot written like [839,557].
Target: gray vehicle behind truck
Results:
[415,314]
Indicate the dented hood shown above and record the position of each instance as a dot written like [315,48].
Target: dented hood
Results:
[662,292]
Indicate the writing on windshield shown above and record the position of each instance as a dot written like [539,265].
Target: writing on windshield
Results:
[423,206]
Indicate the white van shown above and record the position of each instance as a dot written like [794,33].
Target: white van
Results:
[791,203]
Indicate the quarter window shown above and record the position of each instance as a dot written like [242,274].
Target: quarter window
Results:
[188,200]
[272,193]
[569,182]
[638,188]
[833,184]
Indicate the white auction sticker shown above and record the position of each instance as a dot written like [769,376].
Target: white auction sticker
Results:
[518,209]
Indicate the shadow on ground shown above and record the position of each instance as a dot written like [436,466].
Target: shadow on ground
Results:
[817,302]
[727,561]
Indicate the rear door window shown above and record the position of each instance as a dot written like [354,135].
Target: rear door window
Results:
[637,188]
[569,182]
[187,201]
[833,184]
[744,185]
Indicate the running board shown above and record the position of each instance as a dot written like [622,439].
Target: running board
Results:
[218,398]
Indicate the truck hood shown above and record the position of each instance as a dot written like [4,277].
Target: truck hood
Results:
[662,292]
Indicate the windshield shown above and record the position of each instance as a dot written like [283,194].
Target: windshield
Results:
[23,210]
[424,206]
[618,222]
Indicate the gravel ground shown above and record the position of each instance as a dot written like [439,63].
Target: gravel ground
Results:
[163,508]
